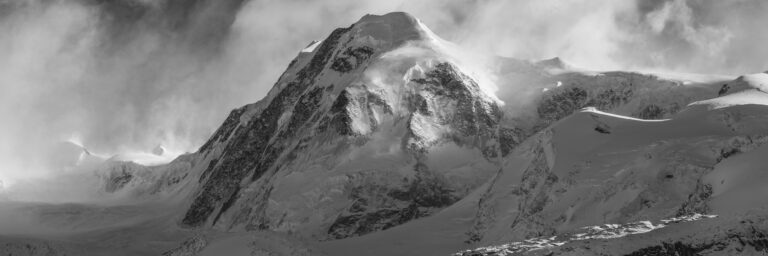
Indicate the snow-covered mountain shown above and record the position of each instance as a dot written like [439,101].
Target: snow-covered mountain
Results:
[384,139]
[373,127]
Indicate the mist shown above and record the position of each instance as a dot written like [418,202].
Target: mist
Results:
[128,75]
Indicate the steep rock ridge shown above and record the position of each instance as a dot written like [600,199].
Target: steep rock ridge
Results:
[299,150]
[639,170]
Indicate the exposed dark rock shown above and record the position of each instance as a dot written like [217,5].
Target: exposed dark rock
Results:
[227,204]
[601,128]
[427,190]
[363,223]
[422,196]
[561,104]
[339,118]
[208,169]
[697,201]
[510,138]
[306,106]
[651,112]
[473,116]
[118,182]
[739,145]
[225,130]
[119,174]
[723,90]
[376,100]
[728,152]
[612,97]
[351,58]
[421,105]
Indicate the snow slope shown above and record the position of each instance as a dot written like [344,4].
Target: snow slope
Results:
[593,168]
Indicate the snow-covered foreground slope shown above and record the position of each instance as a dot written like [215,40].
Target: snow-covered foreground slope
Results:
[384,139]
[594,168]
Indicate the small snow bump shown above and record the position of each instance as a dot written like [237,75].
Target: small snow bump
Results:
[312,46]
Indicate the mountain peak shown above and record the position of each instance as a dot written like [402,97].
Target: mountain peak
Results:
[395,27]
[394,17]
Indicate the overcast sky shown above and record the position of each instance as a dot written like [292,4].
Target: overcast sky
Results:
[127,75]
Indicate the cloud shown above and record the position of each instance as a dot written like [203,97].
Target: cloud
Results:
[695,36]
